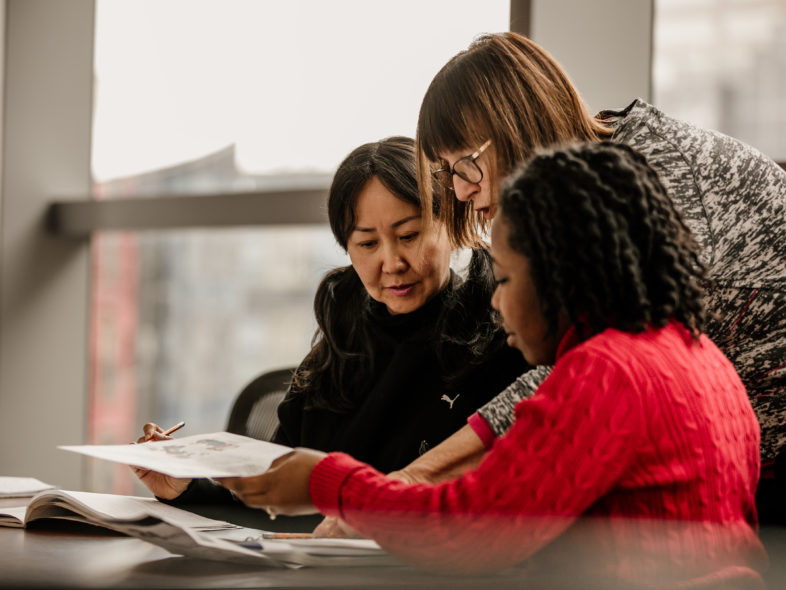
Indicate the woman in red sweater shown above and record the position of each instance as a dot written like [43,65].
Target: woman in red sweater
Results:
[636,459]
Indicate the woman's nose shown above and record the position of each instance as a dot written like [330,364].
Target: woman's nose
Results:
[393,261]
[463,189]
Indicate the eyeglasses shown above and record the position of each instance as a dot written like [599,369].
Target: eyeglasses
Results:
[467,169]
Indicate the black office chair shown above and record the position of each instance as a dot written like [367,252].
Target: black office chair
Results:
[254,414]
[254,411]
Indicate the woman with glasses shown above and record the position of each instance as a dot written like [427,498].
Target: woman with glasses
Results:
[636,460]
[495,103]
[405,348]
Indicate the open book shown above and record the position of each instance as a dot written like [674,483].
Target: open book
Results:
[184,533]
[109,511]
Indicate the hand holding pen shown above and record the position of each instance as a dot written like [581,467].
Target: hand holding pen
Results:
[153,432]
[162,486]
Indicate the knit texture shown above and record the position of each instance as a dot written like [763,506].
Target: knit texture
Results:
[734,200]
[649,437]
[409,406]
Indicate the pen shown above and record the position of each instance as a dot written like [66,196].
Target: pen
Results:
[174,428]
[267,535]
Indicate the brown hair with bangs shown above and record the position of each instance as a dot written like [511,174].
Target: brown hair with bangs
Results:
[506,88]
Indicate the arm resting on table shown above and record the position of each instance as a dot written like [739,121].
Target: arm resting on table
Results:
[455,455]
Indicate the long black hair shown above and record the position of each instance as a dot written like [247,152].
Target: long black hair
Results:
[607,247]
[341,363]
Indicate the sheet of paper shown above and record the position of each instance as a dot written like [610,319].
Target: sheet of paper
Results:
[217,454]
[21,487]
[240,544]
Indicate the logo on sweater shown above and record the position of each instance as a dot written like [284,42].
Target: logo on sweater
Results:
[445,398]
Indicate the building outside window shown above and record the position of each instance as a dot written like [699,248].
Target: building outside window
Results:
[211,96]
[721,64]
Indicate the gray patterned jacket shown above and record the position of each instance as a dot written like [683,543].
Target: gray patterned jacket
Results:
[734,200]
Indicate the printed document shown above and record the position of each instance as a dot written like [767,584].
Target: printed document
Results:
[218,454]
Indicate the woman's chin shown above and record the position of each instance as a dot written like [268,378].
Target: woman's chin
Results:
[513,342]
[403,306]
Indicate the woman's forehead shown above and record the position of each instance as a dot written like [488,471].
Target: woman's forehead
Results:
[376,202]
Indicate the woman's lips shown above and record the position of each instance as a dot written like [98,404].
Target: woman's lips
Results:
[401,290]
[485,212]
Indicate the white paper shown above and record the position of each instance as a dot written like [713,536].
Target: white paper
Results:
[252,545]
[217,454]
[21,487]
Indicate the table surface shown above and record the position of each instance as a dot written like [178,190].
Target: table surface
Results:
[66,555]
[87,558]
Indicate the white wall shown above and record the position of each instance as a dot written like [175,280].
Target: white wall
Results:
[604,45]
[44,280]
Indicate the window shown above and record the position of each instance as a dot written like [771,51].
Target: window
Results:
[721,64]
[226,96]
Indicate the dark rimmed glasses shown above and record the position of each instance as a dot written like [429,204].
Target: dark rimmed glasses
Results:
[466,168]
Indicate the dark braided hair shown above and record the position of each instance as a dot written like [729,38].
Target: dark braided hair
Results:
[606,246]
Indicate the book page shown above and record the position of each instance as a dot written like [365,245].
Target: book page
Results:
[108,509]
[218,454]
[21,487]
[13,516]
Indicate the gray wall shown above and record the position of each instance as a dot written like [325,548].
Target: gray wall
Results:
[44,280]
[604,45]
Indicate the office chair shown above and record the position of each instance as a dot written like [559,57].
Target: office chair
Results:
[254,411]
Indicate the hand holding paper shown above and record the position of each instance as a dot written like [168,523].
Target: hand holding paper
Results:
[282,489]
[160,484]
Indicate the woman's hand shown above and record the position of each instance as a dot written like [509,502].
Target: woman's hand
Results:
[335,528]
[282,489]
[460,452]
[407,477]
[162,486]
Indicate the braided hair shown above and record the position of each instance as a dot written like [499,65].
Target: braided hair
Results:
[606,246]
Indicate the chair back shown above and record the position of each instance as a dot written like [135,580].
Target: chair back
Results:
[254,411]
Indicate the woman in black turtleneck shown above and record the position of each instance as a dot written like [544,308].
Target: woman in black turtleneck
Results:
[406,349]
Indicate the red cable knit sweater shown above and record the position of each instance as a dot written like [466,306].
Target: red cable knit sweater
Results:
[653,432]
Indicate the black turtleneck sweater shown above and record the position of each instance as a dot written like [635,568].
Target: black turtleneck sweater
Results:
[409,407]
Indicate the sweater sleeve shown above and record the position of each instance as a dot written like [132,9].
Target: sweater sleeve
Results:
[498,413]
[566,449]
[203,491]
